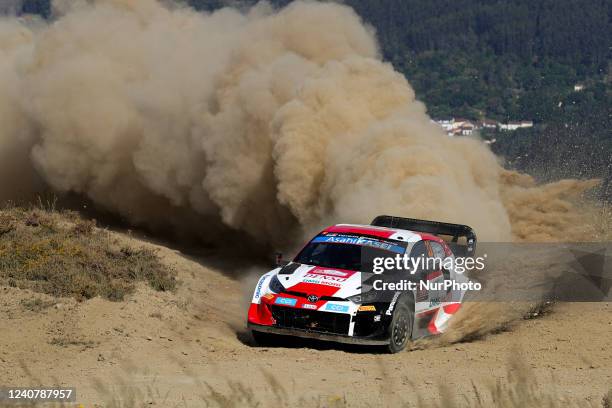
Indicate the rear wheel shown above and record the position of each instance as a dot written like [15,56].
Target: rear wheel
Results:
[400,328]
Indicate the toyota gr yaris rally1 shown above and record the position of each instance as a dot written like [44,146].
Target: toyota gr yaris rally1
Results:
[329,290]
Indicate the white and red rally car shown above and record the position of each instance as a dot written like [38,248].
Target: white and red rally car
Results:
[329,291]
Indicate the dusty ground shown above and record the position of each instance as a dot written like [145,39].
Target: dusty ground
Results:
[167,348]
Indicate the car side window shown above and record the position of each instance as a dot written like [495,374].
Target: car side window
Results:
[420,250]
[438,250]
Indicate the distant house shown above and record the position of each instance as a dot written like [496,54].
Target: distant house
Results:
[464,127]
[460,122]
[509,126]
[457,126]
[446,124]
[516,125]
[467,128]
[445,121]
[454,132]
[487,124]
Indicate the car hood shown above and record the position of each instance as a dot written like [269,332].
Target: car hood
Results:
[320,281]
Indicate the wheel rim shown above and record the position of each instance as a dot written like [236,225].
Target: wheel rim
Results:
[400,330]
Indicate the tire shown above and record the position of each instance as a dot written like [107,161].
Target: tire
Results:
[264,339]
[400,328]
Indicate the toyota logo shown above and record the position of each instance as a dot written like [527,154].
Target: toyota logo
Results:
[313,298]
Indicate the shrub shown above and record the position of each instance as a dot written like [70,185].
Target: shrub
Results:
[49,252]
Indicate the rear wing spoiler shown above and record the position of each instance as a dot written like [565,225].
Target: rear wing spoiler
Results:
[456,231]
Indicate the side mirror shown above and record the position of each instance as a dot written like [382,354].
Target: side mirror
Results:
[279,261]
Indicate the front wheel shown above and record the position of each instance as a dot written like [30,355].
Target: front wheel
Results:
[400,328]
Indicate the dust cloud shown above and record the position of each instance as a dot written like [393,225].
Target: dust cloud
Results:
[10,7]
[266,122]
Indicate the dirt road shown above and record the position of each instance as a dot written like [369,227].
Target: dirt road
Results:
[172,349]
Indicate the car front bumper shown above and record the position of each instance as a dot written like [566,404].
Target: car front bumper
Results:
[312,334]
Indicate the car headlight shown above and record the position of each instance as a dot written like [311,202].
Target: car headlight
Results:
[366,297]
[275,285]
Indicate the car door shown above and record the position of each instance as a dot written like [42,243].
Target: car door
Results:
[440,274]
[420,255]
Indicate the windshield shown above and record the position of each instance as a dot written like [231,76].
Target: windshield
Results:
[354,253]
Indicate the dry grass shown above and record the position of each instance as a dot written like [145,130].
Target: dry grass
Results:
[67,342]
[59,254]
[36,304]
[606,401]
[518,389]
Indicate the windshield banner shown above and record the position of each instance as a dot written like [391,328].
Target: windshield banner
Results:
[358,240]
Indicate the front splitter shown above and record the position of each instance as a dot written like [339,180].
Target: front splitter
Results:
[310,334]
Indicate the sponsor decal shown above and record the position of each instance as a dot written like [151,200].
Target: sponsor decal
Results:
[259,286]
[354,240]
[328,274]
[377,318]
[285,301]
[313,298]
[268,296]
[392,304]
[309,306]
[313,275]
[332,307]
[368,308]
[331,272]
[323,280]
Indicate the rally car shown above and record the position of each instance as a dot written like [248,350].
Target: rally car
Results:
[329,290]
